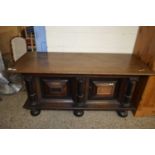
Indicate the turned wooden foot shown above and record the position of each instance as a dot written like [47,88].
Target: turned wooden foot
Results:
[78,113]
[122,113]
[35,112]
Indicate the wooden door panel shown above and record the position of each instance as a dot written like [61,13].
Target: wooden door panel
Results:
[56,88]
[103,88]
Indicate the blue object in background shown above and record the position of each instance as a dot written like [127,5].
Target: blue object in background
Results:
[40,38]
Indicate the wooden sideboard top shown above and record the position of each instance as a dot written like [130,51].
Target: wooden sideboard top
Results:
[81,63]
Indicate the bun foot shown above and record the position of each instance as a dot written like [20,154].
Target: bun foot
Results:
[122,113]
[35,112]
[78,113]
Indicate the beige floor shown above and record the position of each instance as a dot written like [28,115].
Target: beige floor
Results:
[13,115]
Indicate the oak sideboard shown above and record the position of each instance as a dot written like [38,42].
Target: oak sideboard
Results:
[82,81]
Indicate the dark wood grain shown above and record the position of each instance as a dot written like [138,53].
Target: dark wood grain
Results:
[82,81]
[81,63]
[76,93]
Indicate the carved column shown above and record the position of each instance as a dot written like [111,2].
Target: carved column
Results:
[127,90]
[80,101]
[80,92]
[29,81]
[32,97]
[131,84]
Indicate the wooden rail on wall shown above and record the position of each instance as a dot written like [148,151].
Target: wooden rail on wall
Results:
[145,50]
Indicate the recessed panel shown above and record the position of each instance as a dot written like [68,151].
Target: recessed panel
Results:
[55,88]
[105,89]
[102,89]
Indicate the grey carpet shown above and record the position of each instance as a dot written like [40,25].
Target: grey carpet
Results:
[13,115]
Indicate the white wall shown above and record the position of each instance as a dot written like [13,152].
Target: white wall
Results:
[111,39]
